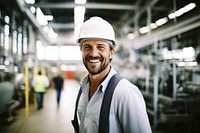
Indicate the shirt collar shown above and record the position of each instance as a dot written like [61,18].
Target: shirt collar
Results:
[104,84]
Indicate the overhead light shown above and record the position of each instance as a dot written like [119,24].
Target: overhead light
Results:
[40,50]
[40,17]
[187,53]
[182,64]
[32,9]
[80,1]
[161,21]
[144,30]
[49,17]
[153,26]
[30,1]
[132,36]
[181,11]
[79,13]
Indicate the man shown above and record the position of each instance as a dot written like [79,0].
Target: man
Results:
[40,83]
[58,85]
[127,109]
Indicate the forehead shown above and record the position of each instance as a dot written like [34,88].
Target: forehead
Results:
[95,41]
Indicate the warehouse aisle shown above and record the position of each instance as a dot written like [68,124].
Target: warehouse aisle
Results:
[51,119]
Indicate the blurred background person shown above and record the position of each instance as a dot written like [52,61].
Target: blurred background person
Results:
[40,83]
[57,83]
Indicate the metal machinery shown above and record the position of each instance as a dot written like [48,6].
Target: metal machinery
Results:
[171,85]
[14,54]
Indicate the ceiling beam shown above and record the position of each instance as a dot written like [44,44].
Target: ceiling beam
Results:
[21,5]
[142,10]
[61,25]
[69,5]
[169,32]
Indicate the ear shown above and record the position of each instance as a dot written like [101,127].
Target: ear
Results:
[112,51]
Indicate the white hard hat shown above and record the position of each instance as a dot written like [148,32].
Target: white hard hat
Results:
[97,28]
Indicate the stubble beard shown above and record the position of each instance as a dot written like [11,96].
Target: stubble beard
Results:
[95,71]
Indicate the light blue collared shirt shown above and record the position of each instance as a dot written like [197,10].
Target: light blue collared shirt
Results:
[127,111]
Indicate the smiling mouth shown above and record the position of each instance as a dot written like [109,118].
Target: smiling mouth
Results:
[94,60]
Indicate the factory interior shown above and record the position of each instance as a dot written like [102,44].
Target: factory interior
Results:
[158,50]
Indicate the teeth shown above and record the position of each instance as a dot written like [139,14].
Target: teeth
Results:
[94,61]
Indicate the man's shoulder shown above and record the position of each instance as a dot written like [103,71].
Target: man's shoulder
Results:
[126,85]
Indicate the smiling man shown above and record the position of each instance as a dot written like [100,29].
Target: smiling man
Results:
[127,109]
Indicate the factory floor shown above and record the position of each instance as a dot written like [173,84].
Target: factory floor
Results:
[50,119]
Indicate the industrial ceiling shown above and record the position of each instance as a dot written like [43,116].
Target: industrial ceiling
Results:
[127,16]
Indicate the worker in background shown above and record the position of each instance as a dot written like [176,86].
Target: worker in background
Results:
[57,83]
[6,92]
[127,110]
[40,83]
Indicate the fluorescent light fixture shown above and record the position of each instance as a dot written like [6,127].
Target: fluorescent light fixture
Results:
[161,21]
[40,50]
[182,64]
[7,19]
[49,17]
[131,36]
[30,1]
[144,30]
[6,39]
[32,9]
[79,13]
[70,53]
[153,26]
[40,17]
[188,52]
[80,1]
[189,7]
[181,11]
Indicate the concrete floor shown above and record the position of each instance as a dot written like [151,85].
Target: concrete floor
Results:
[50,119]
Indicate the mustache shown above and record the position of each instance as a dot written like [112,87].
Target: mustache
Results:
[94,57]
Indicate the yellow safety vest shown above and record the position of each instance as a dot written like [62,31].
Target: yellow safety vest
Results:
[39,83]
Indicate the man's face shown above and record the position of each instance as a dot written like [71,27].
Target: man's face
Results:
[96,55]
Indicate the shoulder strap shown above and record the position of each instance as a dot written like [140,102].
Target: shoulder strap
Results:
[75,120]
[105,107]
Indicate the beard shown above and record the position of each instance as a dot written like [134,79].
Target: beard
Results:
[96,69]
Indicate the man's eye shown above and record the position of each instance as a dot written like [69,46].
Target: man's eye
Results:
[86,47]
[101,47]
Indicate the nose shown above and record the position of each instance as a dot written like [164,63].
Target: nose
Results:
[93,51]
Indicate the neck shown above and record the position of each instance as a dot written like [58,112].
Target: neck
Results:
[96,80]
